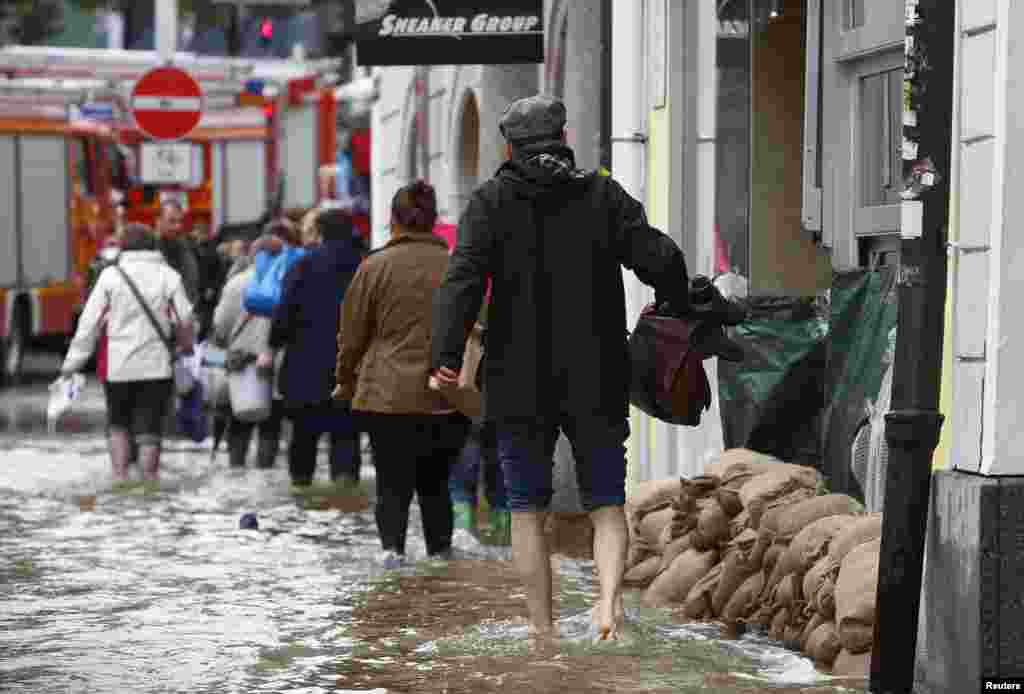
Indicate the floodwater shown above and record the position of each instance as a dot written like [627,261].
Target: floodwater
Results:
[159,591]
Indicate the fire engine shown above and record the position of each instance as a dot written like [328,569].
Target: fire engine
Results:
[70,152]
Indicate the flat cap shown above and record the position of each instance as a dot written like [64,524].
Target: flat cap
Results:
[533,119]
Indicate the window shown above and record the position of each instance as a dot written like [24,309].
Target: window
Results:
[881,136]
[83,166]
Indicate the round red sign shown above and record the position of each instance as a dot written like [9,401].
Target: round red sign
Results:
[167,103]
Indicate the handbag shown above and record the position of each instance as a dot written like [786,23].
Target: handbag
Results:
[263,293]
[467,397]
[184,380]
[667,377]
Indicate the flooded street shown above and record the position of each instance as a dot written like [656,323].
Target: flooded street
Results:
[160,591]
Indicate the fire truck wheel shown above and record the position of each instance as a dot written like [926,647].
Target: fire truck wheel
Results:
[14,347]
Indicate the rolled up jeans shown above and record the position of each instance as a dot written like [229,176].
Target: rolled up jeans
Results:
[480,454]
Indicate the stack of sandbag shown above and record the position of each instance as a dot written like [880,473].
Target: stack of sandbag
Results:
[649,511]
[840,597]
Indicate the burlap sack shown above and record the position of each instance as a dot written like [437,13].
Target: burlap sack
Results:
[791,635]
[814,579]
[742,559]
[787,593]
[648,495]
[783,479]
[777,631]
[816,621]
[712,526]
[803,513]
[726,459]
[825,602]
[729,499]
[665,539]
[856,592]
[823,644]
[649,529]
[771,557]
[698,600]
[675,583]
[641,575]
[743,601]
[739,523]
[674,549]
[852,665]
[809,545]
[637,553]
[861,530]
[779,507]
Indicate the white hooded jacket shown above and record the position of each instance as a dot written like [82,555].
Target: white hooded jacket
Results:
[135,350]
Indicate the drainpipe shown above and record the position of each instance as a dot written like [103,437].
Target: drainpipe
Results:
[628,141]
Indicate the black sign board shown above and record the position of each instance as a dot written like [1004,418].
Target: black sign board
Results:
[449,32]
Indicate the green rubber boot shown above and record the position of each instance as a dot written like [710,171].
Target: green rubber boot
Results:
[465,516]
[501,527]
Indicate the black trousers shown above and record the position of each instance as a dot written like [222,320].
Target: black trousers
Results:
[311,422]
[240,434]
[414,454]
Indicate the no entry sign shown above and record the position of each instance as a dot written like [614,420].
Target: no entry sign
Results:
[167,103]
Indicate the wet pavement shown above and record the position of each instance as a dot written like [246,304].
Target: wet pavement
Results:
[159,591]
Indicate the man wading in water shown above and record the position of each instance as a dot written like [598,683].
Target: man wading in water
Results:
[553,239]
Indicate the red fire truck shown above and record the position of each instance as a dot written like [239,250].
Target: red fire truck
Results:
[69,152]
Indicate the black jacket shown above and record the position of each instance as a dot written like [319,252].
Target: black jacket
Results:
[554,240]
[306,320]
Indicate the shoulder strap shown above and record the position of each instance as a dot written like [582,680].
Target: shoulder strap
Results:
[147,310]
[238,329]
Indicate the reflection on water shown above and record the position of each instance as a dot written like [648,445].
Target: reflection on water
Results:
[161,592]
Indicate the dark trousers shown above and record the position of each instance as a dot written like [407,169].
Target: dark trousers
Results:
[414,454]
[240,434]
[479,455]
[309,423]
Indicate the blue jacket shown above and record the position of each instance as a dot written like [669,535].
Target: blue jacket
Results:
[306,321]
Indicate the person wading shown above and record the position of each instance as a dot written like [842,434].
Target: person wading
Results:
[139,377]
[383,360]
[554,239]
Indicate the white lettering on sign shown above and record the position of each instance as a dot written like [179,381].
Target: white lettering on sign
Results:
[166,103]
[393,25]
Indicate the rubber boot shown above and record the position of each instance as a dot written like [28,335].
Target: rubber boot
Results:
[501,527]
[465,516]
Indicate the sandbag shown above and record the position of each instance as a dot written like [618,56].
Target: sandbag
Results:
[791,635]
[739,523]
[809,545]
[803,513]
[665,539]
[743,601]
[729,499]
[712,526]
[676,582]
[648,495]
[823,644]
[743,456]
[825,602]
[861,530]
[776,508]
[786,595]
[777,631]
[742,559]
[856,594]
[781,480]
[852,665]
[771,557]
[641,575]
[698,600]
[674,549]
[814,579]
[648,531]
[816,621]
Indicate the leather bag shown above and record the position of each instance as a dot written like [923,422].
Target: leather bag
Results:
[667,377]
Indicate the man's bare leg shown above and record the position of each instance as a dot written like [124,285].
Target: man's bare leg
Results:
[533,562]
[611,541]
[120,448]
[149,456]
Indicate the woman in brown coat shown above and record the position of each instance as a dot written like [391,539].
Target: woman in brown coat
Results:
[383,364]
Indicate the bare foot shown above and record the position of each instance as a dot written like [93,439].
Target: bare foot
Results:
[609,619]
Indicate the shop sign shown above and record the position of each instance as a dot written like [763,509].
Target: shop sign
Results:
[449,32]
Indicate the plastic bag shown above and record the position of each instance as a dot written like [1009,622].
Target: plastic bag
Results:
[263,293]
[191,416]
[63,394]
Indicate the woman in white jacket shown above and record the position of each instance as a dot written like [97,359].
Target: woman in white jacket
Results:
[139,372]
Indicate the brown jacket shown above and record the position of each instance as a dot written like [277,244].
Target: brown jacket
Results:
[384,332]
